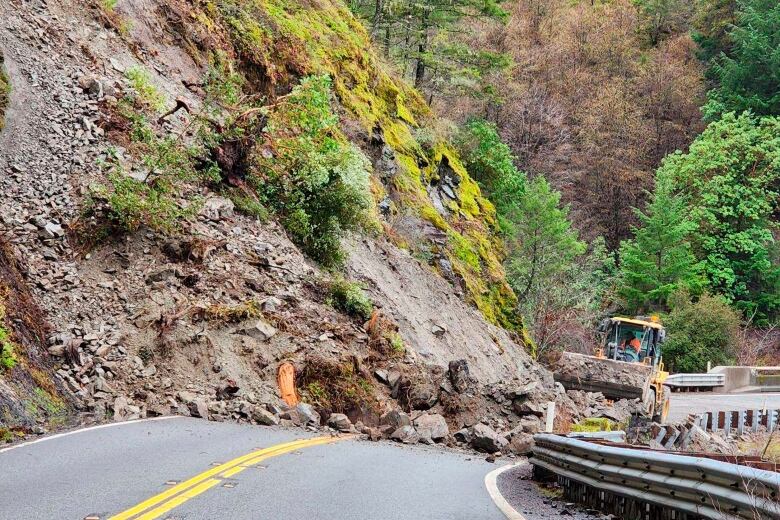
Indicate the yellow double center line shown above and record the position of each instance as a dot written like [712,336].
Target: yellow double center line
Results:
[180,493]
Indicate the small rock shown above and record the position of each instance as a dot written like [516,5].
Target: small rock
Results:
[438,330]
[381,375]
[259,330]
[271,304]
[198,408]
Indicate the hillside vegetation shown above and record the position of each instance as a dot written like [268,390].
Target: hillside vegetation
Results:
[326,133]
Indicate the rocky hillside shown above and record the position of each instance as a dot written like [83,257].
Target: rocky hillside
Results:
[189,300]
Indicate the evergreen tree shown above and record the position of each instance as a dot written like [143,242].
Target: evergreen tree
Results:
[544,245]
[749,76]
[424,38]
[659,260]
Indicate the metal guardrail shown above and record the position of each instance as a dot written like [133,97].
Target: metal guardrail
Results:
[737,422]
[695,380]
[695,487]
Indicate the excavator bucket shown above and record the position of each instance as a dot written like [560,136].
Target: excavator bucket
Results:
[615,379]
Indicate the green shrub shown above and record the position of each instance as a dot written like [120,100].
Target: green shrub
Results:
[310,174]
[141,82]
[700,332]
[131,203]
[349,297]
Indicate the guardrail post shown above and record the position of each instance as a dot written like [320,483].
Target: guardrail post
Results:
[771,420]
[728,422]
[756,420]
[673,434]
[548,427]
[741,422]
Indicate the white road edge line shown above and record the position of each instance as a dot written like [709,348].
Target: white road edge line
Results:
[491,483]
[81,430]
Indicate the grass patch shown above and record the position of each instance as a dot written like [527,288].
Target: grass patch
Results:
[8,359]
[141,81]
[349,298]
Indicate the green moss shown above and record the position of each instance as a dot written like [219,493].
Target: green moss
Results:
[592,424]
[8,359]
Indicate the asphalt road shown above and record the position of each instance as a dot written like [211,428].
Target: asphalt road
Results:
[686,403]
[99,473]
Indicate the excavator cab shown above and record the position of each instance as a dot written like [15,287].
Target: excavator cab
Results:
[620,332]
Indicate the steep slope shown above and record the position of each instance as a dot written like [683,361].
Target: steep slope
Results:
[199,321]
[423,190]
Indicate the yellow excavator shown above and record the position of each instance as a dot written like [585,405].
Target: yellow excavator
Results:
[626,364]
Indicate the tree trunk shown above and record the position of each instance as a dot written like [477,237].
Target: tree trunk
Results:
[419,72]
[377,18]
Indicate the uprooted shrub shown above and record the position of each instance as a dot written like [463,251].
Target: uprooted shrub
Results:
[383,336]
[337,387]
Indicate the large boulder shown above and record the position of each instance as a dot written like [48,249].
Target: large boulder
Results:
[484,438]
[422,396]
[262,416]
[432,426]
[395,419]
[406,434]
[303,414]
[340,422]
[521,443]
[530,424]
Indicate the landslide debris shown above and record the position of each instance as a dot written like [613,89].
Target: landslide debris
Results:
[198,321]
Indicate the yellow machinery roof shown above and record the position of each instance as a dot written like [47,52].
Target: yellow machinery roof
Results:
[642,323]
